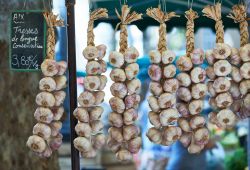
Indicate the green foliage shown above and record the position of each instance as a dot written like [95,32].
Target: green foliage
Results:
[237,160]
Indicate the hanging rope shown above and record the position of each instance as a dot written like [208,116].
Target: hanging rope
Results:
[126,18]
[239,15]
[95,15]
[214,12]
[52,21]
[191,16]
[158,15]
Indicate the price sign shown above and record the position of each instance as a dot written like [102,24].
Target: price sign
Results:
[27,40]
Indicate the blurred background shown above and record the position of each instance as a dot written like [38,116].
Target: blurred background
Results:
[18,89]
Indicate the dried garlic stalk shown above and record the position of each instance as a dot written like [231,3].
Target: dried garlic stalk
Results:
[89,127]
[46,133]
[124,137]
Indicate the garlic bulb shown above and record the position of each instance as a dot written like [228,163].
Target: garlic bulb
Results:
[82,144]
[36,144]
[42,130]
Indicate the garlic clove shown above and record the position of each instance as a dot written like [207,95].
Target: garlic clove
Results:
[197,121]
[124,155]
[154,72]
[197,56]
[184,79]
[49,67]
[46,153]
[130,131]
[82,144]
[90,154]
[222,68]
[245,70]
[166,100]
[244,53]
[60,97]
[210,57]
[234,58]
[129,116]
[226,118]
[246,101]
[119,90]
[201,136]
[96,126]
[57,112]
[103,66]
[210,73]
[222,51]
[134,145]
[234,90]
[113,145]
[183,109]
[116,59]
[169,71]
[132,101]
[199,90]
[154,119]
[101,51]
[86,99]
[131,55]
[43,115]
[81,114]
[155,88]
[98,141]
[168,116]
[55,126]
[195,107]
[131,70]
[211,89]
[245,87]
[198,75]
[134,86]
[154,135]
[155,56]
[116,134]
[224,100]
[185,139]
[153,103]
[235,74]
[115,119]
[118,75]
[168,57]
[195,148]
[42,130]
[93,68]
[36,144]
[184,63]
[117,104]
[171,85]
[172,133]
[55,142]
[236,106]
[95,113]
[99,97]
[91,83]
[45,99]
[221,84]
[47,84]
[103,81]
[184,124]
[83,129]
[90,52]
[61,82]
[184,94]
[62,67]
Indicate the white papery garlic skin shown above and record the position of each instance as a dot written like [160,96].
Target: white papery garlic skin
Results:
[36,144]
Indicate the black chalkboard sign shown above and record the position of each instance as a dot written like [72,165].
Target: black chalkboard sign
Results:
[27,40]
